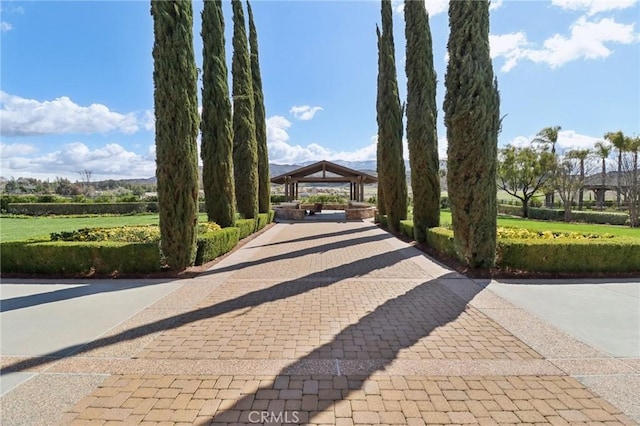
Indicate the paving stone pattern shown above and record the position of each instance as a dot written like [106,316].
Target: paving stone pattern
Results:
[326,323]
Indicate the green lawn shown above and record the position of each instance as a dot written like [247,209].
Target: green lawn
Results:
[541,225]
[12,229]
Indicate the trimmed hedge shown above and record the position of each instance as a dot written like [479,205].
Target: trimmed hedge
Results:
[84,258]
[406,228]
[262,221]
[216,243]
[246,227]
[441,239]
[381,219]
[113,258]
[609,218]
[43,209]
[600,255]
[617,254]
[62,209]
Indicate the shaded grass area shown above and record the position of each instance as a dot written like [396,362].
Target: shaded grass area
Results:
[23,228]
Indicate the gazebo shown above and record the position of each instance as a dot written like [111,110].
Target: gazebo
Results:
[324,172]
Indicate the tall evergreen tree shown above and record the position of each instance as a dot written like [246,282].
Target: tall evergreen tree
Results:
[422,135]
[176,109]
[264,183]
[389,115]
[245,147]
[471,108]
[382,209]
[217,132]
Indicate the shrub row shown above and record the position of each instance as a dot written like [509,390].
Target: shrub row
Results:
[406,228]
[108,258]
[558,215]
[617,254]
[79,258]
[63,209]
[216,243]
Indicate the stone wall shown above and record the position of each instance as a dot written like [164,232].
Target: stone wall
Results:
[360,213]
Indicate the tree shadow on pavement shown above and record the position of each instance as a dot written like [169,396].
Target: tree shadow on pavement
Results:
[358,351]
[255,298]
[321,236]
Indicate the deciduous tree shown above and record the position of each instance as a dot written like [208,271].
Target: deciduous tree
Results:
[523,171]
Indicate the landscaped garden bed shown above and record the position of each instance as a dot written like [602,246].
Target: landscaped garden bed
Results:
[528,247]
[115,251]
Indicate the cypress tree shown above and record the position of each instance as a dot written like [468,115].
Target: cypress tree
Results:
[176,110]
[264,183]
[392,174]
[471,108]
[422,135]
[217,132]
[382,210]
[245,148]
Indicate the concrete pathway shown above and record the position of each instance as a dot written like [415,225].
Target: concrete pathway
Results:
[309,323]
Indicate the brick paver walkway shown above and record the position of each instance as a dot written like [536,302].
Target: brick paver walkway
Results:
[329,323]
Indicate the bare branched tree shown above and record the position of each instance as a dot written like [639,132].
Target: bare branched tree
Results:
[85,179]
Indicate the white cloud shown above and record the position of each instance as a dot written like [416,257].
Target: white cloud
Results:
[149,120]
[111,161]
[510,46]
[588,40]
[16,150]
[593,6]
[283,152]
[5,26]
[24,117]
[434,7]
[304,112]
[495,4]
[567,140]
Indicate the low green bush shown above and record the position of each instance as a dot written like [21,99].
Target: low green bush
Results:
[246,226]
[559,254]
[611,218]
[66,209]
[570,255]
[216,243]
[406,228]
[325,198]
[441,239]
[275,199]
[510,209]
[79,258]
[262,221]
[272,215]
[381,219]
[61,209]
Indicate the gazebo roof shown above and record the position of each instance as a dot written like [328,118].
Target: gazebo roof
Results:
[324,171]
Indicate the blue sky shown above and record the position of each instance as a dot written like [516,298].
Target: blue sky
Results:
[77,88]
